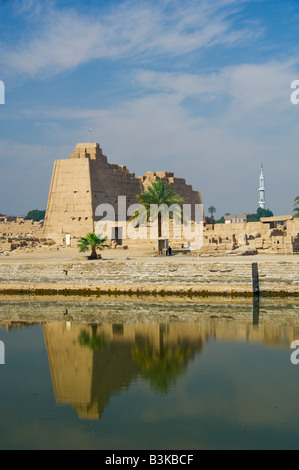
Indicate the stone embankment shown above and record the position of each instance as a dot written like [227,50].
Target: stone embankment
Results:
[281,313]
[195,277]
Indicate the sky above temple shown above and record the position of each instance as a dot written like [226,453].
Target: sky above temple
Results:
[197,87]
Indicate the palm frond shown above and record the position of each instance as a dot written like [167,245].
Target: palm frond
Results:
[92,241]
[158,194]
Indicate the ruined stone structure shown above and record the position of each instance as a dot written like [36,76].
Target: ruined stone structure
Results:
[20,227]
[271,234]
[85,181]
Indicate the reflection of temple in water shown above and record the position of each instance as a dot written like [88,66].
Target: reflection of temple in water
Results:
[90,363]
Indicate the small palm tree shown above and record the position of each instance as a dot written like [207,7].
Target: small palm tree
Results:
[92,242]
[296,207]
[156,196]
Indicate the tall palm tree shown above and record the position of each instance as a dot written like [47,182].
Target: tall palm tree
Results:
[93,341]
[296,207]
[153,202]
[161,368]
[212,210]
[92,242]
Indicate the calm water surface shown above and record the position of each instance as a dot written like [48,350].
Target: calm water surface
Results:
[205,381]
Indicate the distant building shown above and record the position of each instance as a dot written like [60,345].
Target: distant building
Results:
[235,219]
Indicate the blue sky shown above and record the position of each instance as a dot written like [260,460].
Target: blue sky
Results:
[197,87]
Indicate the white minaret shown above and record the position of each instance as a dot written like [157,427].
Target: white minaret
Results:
[262,189]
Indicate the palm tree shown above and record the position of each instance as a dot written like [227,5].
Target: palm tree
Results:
[93,341]
[161,368]
[212,210]
[92,242]
[153,202]
[296,207]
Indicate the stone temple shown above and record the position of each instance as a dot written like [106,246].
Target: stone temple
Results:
[86,180]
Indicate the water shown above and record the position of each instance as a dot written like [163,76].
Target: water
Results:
[204,374]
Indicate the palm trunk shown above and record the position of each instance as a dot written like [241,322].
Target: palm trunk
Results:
[93,254]
[159,225]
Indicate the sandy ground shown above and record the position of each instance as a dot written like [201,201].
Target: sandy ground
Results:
[68,254]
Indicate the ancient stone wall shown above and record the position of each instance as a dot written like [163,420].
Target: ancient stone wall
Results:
[195,276]
[69,207]
[253,237]
[108,182]
[178,184]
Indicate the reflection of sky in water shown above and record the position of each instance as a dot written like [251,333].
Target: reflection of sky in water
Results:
[228,385]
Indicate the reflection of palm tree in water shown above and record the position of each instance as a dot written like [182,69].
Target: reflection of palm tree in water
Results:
[162,366]
[93,342]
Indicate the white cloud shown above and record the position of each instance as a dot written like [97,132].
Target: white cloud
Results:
[30,8]
[64,39]
[158,131]
[254,99]
[213,129]
[249,85]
